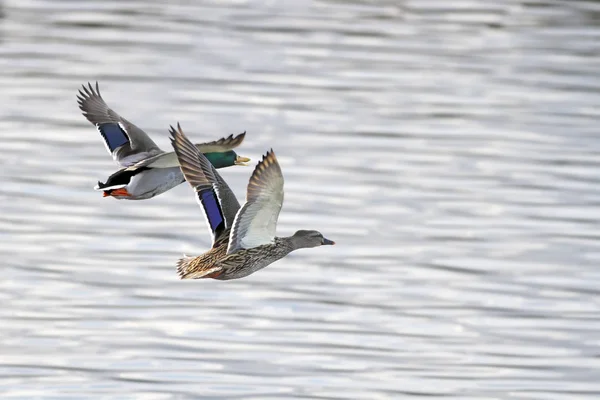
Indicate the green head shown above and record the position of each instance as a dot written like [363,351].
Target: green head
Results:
[225,159]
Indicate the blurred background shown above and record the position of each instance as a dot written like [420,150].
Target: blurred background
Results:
[450,148]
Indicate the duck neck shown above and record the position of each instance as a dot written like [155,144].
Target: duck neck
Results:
[292,243]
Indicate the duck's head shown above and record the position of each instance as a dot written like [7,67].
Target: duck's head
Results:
[303,239]
[226,159]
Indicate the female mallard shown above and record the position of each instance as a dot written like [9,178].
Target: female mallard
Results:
[244,238]
[147,171]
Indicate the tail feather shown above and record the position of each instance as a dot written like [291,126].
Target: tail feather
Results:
[184,265]
[195,268]
[106,186]
[119,179]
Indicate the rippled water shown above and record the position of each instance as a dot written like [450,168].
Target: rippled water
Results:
[450,148]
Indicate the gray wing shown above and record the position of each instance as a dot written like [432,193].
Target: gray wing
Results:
[222,145]
[256,222]
[214,196]
[229,203]
[126,142]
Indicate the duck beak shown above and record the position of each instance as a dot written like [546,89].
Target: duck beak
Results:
[327,241]
[239,160]
[116,192]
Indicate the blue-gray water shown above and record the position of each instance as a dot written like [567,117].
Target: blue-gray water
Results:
[450,148]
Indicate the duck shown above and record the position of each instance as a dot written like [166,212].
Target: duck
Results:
[145,170]
[243,238]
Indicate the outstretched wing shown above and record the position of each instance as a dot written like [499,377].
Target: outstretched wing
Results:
[222,145]
[126,142]
[214,196]
[168,160]
[256,222]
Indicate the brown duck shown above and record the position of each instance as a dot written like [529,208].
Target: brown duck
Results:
[244,238]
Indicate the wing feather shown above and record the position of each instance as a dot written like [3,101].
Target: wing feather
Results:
[256,222]
[214,196]
[222,145]
[126,142]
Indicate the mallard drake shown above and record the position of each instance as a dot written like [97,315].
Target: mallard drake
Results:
[147,171]
[244,238]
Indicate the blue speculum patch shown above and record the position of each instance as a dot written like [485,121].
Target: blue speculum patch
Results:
[113,135]
[212,208]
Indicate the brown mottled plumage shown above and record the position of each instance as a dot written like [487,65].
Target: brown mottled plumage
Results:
[202,266]
[249,231]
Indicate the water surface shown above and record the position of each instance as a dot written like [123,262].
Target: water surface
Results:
[449,148]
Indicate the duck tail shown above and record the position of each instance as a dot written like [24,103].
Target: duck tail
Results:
[185,266]
[198,267]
